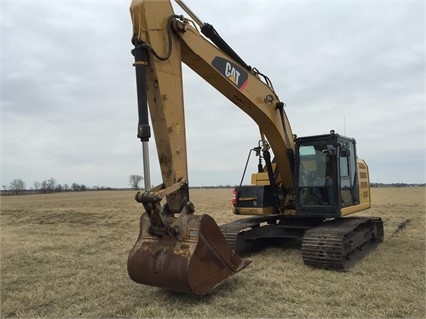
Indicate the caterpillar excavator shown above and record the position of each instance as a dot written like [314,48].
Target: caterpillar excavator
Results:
[303,188]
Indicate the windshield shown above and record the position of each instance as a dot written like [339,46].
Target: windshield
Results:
[313,168]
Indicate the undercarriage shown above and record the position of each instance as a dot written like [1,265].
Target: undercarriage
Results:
[332,244]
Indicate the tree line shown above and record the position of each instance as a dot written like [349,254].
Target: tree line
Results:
[397,185]
[18,186]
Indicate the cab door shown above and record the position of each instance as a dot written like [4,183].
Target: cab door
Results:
[317,177]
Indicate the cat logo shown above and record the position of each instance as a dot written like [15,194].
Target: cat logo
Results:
[234,73]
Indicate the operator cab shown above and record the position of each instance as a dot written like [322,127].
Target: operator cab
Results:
[326,175]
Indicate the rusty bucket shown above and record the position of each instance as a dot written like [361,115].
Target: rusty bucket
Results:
[196,259]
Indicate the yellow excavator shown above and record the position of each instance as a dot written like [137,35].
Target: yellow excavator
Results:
[303,187]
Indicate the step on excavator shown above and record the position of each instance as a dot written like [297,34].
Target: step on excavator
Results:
[303,188]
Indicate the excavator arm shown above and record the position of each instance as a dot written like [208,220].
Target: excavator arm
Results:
[159,82]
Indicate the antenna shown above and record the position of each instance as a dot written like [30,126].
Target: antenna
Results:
[344,125]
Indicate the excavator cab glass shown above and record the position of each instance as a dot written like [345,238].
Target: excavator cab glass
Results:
[325,175]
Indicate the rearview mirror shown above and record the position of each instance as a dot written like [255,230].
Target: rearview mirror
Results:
[345,150]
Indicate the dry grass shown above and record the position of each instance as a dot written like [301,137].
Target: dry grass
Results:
[64,255]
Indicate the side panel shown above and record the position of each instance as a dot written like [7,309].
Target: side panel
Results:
[364,190]
[254,200]
[364,182]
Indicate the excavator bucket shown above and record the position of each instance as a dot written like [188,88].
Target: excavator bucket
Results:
[195,258]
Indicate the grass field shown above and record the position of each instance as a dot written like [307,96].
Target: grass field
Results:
[64,255]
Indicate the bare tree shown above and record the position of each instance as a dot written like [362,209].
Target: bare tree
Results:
[43,186]
[48,186]
[134,181]
[17,185]
[51,184]
[37,186]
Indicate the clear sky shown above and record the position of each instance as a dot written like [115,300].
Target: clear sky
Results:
[68,96]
